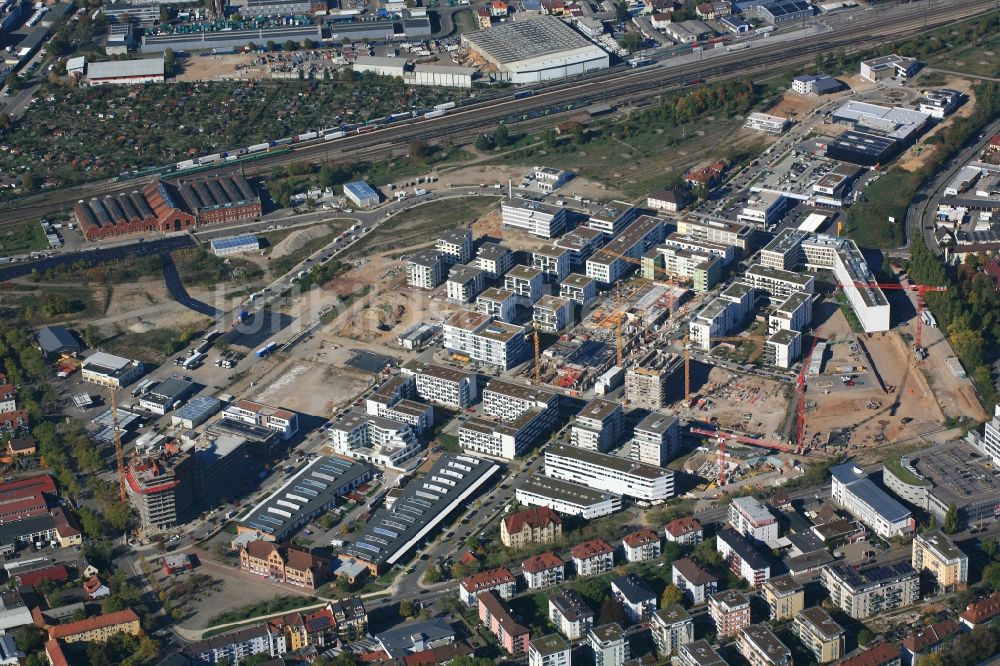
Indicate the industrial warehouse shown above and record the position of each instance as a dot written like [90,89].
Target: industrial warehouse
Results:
[166,206]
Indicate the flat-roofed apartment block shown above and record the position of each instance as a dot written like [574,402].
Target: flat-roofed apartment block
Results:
[763,122]
[110,370]
[744,557]
[554,262]
[753,520]
[533,217]
[607,265]
[785,597]
[613,217]
[526,282]
[442,385]
[947,565]
[455,245]
[784,252]
[727,232]
[598,426]
[792,314]
[656,439]
[497,303]
[283,421]
[374,439]
[425,269]
[494,260]
[777,283]
[730,611]
[609,644]
[551,650]
[552,313]
[820,633]
[703,246]
[523,414]
[783,348]
[872,590]
[760,647]
[572,499]
[464,283]
[570,614]
[507,400]
[481,338]
[699,653]
[672,627]
[891,66]
[703,270]
[646,381]
[393,400]
[578,288]
[644,483]
[581,243]
[718,318]
[849,267]
[877,509]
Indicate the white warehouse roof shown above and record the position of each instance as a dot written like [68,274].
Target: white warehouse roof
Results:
[117,69]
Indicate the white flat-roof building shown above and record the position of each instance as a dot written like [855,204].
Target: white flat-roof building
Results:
[612,218]
[598,426]
[645,483]
[455,245]
[480,338]
[779,284]
[533,217]
[941,102]
[784,251]
[125,72]
[374,439]
[718,318]
[763,122]
[555,262]
[497,303]
[656,439]
[764,209]
[494,260]
[443,385]
[882,513]
[464,283]
[702,246]
[727,232]
[579,289]
[552,313]
[565,497]
[850,268]
[607,265]
[783,348]
[110,370]
[548,179]
[526,282]
[425,269]
[752,519]
[889,67]
[792,314]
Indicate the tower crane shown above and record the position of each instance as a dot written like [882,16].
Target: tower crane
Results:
[800,409]
[119,453]
[921,289]
[687,356]
[669,280]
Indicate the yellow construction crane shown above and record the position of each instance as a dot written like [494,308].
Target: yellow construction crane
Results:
[687,356]
[119,453]
[669,280]
[538,356]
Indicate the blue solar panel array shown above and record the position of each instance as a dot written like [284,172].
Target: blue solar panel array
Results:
[234,241]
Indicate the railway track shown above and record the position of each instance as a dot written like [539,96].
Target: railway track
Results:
[614,84]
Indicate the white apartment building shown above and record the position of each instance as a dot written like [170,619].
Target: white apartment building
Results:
[727,232]
[792,314]
[570,614]
[752,519]
[579,289]
[533,217]
[871,591]
[700,246]
[607,265]
[691,579]
[554,262]
[645,483]
[581,243]
[392,401]
[494,260]
[506,400]
[609,644]
[497,303]
[672,627]
[455,245]
[425,269]
[849,267]
[442,385]
[783,348]
[777,283]
[499,581]
[761,647]
[526,282]
[719,317]
[551,650]
[702,270]
[552,313]
[879,511]
[763,122]
[480,338]
[598,426]
[990,441]
[283,421]
[594,557]
[373,439]
[641,545]
[543,570]
[744,558]
[784,252]
[548,179]
[464,283]
[504,439]
[568,498]
[656,439]
[699,653]
[612,218]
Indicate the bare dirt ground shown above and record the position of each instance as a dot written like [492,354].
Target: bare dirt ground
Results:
[919,154]
[730,398]
[220,67]
[299,239]
[495,173]
[313,385]
[793,105]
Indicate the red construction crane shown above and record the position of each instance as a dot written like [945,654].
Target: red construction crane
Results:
[743,439]
[921,289]
[800,410]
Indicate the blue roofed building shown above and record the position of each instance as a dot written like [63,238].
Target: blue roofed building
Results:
[243,244]
[877,509]
[361,193]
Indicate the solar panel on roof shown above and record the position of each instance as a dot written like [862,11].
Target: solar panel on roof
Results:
[306,491]
[433,498]
[312,482]
[388,533]
[368,546]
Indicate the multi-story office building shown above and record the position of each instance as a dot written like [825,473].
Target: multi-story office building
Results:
[612,218]
[464,283]
[672,627]
[598,426]
[891,66]
[110,370]
[990,441]
[543,570]
[425,269]
[161,491]
[760,647]
[938,556]
[570,614]
[842,256]
[609,644]
[526,282]
[612,262]
[764,209]
[727,232]
[702,270]
[455,245]
[784,252]
[581,243]
[753,520]
[883,514]
[783,348]
[551,650]
[785,597]
[578,288]
[554,262]
[441,385]
[699,653]
[552,313]
[592,557]
[494,260]
[778,284]
[533,217]
[572,499]
[744,559]
[656,439]
[792,314]
[641,545]
[730,611]
[497,303]
[820,633]
[877,589]
[480,338]
[646,382]
[645,483]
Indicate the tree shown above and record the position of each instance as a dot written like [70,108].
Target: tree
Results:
[308,44]
[621,12]
[28,182]
[631,41]
[272,46]
[419,150]
[951,520]
[483,142]
[989,547]
[865,637]
[501,136]
[406,608]
[30,638]
[991,575]
[169,62]
[671,595]
[612,611]
[290,45]
[432,575]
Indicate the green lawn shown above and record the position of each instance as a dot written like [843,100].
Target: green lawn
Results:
[868,221]
[22,237]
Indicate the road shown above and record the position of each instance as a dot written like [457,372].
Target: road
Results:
[877,27]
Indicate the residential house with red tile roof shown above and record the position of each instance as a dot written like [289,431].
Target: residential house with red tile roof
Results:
[685,531]
[930,639]
[641,545]
[500,580]
[97,628]
[593,557]
[882,654]
[543,570]
[536,525]
[981,612]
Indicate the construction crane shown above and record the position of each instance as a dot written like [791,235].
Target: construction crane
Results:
[687,356]
[800,409]
[743,439]
[538,356]
[921,289]
[615,319]
[670,280]
[119,453]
